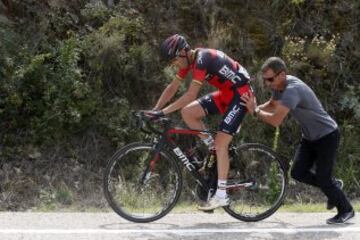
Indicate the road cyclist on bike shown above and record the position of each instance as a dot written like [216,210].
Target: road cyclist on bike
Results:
[231,80]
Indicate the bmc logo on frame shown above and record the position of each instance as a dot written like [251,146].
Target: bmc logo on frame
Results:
[184,159]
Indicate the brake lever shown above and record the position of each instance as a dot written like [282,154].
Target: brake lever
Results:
[145,123]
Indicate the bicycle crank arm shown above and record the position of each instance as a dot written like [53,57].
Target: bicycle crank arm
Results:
[242,185]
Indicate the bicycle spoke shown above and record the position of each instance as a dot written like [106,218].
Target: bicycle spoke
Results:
[261,183]
[138,192]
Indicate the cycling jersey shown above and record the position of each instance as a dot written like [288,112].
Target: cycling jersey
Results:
[232,81]
[216,68]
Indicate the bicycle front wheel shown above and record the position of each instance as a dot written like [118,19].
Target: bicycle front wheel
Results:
[266,178]
[140,186]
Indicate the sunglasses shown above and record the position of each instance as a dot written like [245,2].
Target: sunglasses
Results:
[271,79]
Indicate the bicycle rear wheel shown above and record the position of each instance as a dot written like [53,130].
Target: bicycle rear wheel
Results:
[259,165]
[140,187]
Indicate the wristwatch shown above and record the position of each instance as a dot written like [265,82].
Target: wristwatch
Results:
[257,110]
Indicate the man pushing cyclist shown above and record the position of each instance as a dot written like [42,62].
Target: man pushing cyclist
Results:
[231,80]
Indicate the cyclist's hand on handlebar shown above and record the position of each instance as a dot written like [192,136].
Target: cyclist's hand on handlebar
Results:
[154,114]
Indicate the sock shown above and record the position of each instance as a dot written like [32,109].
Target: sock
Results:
[221,189]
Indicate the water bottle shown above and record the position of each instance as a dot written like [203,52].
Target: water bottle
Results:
[211,158]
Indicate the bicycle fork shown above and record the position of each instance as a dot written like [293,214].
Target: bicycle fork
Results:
[150,163]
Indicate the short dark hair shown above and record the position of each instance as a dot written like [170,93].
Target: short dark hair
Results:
[274,63]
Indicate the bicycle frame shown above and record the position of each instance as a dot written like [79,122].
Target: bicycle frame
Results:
[167,140]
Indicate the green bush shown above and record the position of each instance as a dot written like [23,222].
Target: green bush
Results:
[71,72]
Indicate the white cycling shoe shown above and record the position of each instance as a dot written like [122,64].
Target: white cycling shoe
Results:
[215,202]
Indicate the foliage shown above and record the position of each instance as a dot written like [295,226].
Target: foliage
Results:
[350,101]
[45,93]
[71,72]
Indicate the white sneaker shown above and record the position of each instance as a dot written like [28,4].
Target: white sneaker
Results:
[215,202]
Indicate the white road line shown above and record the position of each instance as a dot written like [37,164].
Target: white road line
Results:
[178,231]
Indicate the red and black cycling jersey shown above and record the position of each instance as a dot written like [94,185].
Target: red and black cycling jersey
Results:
[232,81]
[216,68]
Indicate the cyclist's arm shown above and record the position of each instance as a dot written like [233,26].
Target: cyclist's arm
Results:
[277,116]
[168,94]
[185,99]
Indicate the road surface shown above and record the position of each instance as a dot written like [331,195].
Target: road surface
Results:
[106,226]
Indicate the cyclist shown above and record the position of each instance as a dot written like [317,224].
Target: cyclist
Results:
[231,80]
[320,134]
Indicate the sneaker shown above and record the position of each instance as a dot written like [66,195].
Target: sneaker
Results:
[339,184]
[341,217]
[215,202]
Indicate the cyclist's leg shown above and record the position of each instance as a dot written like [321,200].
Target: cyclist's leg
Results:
[220,198]
[193,113]
[222,141]
[228,127]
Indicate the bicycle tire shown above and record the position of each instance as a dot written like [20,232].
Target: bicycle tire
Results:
[269,171]
[123,174]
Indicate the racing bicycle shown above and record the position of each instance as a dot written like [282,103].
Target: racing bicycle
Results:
[143,180]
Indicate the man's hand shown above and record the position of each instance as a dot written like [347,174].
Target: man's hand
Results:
[249,102]
[154,114]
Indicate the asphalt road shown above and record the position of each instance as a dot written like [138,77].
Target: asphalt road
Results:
[104,226]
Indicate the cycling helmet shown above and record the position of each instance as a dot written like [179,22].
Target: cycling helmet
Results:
[171,47]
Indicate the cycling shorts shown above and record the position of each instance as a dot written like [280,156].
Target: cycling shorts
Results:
[228,103]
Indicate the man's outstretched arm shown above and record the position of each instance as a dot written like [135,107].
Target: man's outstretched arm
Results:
[272,113]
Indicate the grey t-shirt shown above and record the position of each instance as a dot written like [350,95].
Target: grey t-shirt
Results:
[306,108]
